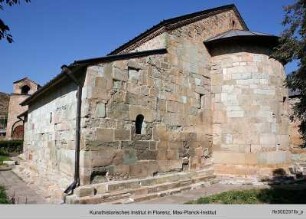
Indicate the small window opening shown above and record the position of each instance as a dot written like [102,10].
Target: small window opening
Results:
[25,89]
[51,117]
[233,23]
[201,101]
[139,123]
[284,99]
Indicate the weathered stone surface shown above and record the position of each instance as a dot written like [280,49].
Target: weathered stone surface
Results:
[84,191]
[246,117]
[122,134]
[4,104]
[129,156]
[100,110]
[102,188]
[228,101]
[134,111]
[105,134]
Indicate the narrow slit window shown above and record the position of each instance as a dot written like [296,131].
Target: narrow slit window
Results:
[50,117]
[139,123]
[201,101]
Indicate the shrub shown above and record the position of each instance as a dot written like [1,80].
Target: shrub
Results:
[9,147]
[3,197]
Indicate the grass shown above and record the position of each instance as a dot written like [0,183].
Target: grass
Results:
[257,196]
[3,158]
[3,197]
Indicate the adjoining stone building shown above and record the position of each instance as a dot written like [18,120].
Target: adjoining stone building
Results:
[298,154]
[192,96]
[22,89]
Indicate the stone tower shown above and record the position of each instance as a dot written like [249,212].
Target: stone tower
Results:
[250,104]
[23,88]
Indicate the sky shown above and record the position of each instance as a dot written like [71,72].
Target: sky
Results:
[48,34]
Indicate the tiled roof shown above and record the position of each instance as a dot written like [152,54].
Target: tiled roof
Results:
[237,33]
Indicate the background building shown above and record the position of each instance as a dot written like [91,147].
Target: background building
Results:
[4,102]
[22,89]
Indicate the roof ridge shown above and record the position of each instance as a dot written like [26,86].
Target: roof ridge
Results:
[164,25]
[25,78]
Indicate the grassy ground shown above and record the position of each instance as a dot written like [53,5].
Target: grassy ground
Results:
[257,196]
[3,158]
[3,196]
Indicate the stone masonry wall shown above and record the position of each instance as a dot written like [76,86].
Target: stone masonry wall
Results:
[124,89]
[295,136]
[158,42]
[49,143]
[172,92]
[196,32]
[298,154]
[250,106]
[15,109]
[4,102]
[190,56]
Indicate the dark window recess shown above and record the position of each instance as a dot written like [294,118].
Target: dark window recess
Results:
[201,101]
[284,99]
[139,122]
[51,117]
[25,89]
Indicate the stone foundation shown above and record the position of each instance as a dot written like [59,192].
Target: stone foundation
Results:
[128,191]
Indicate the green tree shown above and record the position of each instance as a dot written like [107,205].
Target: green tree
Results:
[4,29]
[292,47]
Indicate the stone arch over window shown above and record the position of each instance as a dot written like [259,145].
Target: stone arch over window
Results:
[25,89]
[139,123]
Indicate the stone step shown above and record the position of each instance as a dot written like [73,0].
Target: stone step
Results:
[140,189]
[136,183]
[99,198]
[149,192]
[163,193]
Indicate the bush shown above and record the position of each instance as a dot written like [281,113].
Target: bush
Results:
[281,195]
[3,197]
[9,147]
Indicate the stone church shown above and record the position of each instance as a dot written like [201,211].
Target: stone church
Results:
[191,97]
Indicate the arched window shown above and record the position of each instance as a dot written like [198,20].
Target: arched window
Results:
[139,122]
[25,89]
